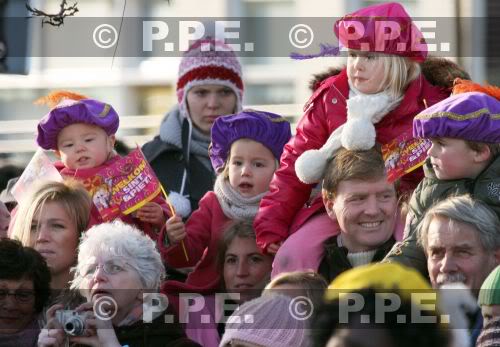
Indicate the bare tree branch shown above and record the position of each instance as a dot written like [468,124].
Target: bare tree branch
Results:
[56,19]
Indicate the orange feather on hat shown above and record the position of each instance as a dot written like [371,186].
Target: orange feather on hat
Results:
[55,97]
[465,86]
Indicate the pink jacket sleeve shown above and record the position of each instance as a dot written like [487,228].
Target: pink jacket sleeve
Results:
[198,230]
[287,194]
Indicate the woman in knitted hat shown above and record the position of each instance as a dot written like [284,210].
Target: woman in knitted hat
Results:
[245,152]
[209,85]
[373,99]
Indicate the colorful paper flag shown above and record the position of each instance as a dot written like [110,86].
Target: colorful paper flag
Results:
[404,154]
[124,187]
[40,168]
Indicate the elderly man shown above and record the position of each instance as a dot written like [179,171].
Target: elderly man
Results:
[363,211]
[461,240]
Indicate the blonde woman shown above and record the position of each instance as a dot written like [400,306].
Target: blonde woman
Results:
[51,220]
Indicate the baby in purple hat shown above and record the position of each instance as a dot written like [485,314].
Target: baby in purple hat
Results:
[245,152]
[81,132]
[464,159]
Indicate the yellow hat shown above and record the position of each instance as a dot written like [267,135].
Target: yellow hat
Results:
[378,276]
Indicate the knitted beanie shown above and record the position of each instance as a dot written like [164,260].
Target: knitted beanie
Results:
[490,290]
[267,321]
[209,61]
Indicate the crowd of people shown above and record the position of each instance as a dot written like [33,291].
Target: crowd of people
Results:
[265,238]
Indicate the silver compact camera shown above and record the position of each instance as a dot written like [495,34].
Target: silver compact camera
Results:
[72,322]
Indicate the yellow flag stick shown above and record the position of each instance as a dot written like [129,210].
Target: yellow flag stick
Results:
[173,214]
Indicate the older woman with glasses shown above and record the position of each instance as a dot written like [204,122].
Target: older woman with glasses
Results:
[117,268]
[24,291]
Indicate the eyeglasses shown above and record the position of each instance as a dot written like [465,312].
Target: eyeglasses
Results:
[110,267]
[21,296]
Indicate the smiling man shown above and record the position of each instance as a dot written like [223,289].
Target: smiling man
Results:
[357,195]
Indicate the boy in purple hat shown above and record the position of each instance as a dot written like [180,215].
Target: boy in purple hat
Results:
[245,152]
[464,158]
[81,132]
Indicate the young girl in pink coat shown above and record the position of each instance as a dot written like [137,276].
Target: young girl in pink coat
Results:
[373,99]
[244,152]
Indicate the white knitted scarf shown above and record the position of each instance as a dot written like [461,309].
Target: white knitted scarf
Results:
[233,204]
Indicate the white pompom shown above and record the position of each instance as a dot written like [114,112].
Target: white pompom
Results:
[358,135]
[181,204]
[310,166]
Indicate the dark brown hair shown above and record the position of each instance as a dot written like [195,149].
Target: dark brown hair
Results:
[478,146]
[18,262]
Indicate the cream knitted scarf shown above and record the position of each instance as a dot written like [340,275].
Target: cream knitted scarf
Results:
[233,204]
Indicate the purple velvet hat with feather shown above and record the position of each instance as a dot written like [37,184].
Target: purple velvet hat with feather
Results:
[269,129]
[69,112]
[472,116]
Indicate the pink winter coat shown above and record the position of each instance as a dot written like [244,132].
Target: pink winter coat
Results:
[326,111]
[204,230]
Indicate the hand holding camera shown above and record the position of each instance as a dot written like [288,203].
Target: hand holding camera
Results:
[80,326]
[73,322]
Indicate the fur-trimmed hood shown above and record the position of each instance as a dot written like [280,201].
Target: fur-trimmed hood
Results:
[438,71]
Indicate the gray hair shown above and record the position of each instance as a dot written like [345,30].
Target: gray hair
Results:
[122,240]
[465,209]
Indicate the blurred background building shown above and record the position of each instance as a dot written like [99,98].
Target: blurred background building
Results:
[145,87]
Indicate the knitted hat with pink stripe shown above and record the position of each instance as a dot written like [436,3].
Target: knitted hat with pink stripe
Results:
[209,61]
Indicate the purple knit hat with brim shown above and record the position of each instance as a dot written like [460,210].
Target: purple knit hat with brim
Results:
[270,129]
[470,116]
[69,112]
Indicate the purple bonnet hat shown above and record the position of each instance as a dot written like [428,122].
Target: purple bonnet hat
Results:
[69,112]
[270,129]
[469,116]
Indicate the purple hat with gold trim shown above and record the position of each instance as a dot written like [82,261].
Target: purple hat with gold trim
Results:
[69,112]
[469,116]
[270,129]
